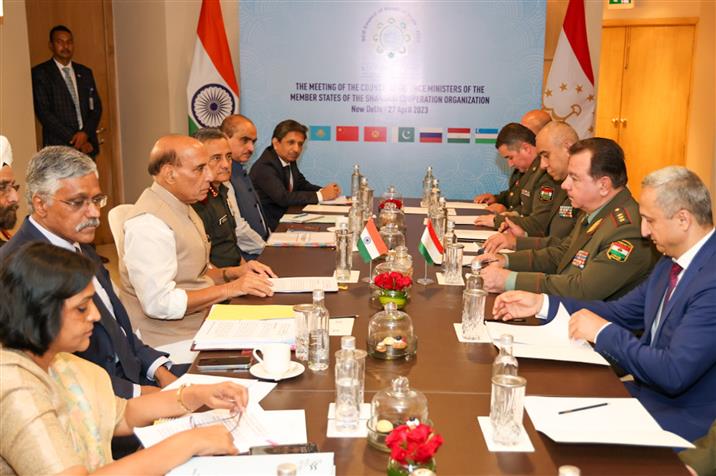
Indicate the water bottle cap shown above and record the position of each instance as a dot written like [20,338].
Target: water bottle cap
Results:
[318,294]
[348,342]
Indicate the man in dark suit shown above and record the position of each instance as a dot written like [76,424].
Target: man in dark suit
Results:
[66,201]
[278,181]
[674,361]
[242,139]
[65,96]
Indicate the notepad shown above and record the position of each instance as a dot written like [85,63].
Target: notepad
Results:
[464,219]
[309,239]
[235,334]
[308,218]
[305,284]
[243,312]
[342,200]
[623,421]
[468,205]
[344,209]
[474,234]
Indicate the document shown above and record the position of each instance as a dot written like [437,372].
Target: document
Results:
[312,464]
[342,200]
[423,211]
[344,209]
[308,218]
[622,421]
[304,284]
[306,239]
[257,389]
[474,234]
[468,205]
[179,352]
[246,312]
[256,427]
[218,335]
[464,219]
[550,341]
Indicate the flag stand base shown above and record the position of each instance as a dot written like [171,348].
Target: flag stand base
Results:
[425,281]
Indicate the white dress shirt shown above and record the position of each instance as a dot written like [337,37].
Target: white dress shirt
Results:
[150,258]
[246,238]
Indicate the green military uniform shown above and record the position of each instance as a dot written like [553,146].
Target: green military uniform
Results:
[220,227]
[537,195]
[602,258]
[561,220]
[703,457]
[510,198]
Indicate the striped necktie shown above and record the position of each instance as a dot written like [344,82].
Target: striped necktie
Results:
[66,74]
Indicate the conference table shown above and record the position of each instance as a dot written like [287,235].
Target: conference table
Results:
[455,378]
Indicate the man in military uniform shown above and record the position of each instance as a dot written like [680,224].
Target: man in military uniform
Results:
[553,143]
[604,256]
[530,189]
[219,210]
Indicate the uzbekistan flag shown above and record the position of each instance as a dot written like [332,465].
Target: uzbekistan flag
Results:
[212,91]
[320,133]
[485,136]
[375,134]
[430,246]
[371,245]
[431,135]
[347,133]
[458,135]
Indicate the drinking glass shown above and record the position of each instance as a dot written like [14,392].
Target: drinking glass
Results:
[473,312]
[507,408]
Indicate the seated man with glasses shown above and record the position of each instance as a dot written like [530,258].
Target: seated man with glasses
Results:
[65,199]
[8,192]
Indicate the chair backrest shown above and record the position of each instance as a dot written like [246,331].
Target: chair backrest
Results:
[116,218]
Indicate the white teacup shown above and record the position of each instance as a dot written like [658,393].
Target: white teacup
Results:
[275,358]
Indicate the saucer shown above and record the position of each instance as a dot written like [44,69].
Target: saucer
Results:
[294,369]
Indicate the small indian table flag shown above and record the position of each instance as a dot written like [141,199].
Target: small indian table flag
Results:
[371,245]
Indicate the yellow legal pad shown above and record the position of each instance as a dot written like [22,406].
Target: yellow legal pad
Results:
[244,312]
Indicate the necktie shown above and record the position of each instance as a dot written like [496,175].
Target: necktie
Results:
[66,74]
[673,278]
[287,174]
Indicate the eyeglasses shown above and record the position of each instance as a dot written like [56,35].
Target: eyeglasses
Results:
[231,422]
[77,204]
[5,187]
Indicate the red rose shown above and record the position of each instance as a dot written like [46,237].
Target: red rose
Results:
[419,434]
[399,454]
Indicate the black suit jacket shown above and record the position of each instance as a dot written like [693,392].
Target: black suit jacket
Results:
[55,109]
[107,338]
[271,185]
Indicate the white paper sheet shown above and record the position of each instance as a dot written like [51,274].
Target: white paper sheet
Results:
[468,205]
[307,464]
[355,275]
[440,278]
[466,259]
[179,352]
[482,337]
[243,334]
[524,445]
[340,326]
[474,234]
[464,219]
[308,218]
[424,211]
[256,428]
[305,239]
[622,421]
[343,209]
[257,388]
[304,284]
[342,200]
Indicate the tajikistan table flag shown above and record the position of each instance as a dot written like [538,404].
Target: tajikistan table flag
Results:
[430,246]
[212,92]
[370,244]
[569,92]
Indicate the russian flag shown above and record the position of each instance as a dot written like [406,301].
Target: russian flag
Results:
[431,135]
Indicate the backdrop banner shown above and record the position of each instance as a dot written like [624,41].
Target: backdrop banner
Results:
[394,87]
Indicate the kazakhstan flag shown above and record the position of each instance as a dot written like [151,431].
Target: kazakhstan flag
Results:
[320,132]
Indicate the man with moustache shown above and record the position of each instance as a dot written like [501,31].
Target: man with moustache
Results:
[278,181]
[553,143]
[65,201]
[168,282]
[663,332]
[242,139]
[229,234]
[8,192]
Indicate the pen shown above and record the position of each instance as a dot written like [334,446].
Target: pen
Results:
[483,263]
[589,407]
[344,317]
[317,217]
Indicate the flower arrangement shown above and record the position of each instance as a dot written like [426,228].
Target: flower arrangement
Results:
[393,281]
[411,446]
[398,203]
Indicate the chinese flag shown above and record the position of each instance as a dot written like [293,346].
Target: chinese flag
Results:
[375,134]
[347,133]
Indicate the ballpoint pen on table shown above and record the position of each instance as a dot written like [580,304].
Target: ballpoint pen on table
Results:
[588,407]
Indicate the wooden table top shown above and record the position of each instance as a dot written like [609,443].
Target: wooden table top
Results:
[455,377]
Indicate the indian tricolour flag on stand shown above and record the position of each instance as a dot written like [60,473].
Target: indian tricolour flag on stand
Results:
[430,246]
[212,92]
[370,244]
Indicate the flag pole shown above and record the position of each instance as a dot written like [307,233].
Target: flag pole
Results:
[366,279]
[425,280]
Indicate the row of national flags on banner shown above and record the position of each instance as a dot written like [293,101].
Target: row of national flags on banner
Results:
[426,135]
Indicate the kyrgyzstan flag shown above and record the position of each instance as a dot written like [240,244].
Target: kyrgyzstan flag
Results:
[375,134]
[347,133]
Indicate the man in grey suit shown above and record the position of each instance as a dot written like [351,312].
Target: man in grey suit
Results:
[242,139]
